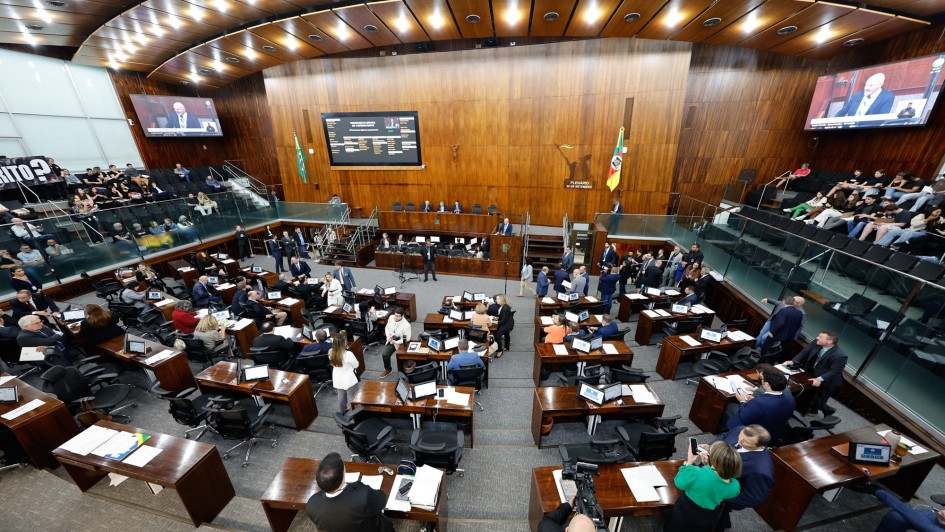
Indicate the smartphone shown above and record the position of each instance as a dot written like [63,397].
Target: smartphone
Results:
[693,446]
[405,487]
[441,393]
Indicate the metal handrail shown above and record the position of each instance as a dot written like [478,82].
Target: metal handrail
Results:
[525,231]
[566,229]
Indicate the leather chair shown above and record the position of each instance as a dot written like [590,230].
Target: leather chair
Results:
[424,373]
[232,420]
[276,359]
[188,411]
[468,375]
[198,352]
[67,384]
[317,367]
[628,375]
[802,432]
[368,438]
[651,442]
[440,448]
[716,362]
[597,451]
[619,336]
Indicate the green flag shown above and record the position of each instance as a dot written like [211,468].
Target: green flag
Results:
[300,157]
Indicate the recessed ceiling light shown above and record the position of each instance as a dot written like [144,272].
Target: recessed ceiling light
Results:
[473,19]
[370,28]
[854,42]
[55,3]
[184,82]
[631,17]
[551,16]
[315,38]
[232,60]
[35,27]
[205,71]
[787,30]
[714,21]
[269,48]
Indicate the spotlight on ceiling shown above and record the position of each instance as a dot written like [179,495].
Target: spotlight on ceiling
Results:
[714,21]
[787,30]
[631,17]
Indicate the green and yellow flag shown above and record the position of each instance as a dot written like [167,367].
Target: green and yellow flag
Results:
[616,163]
[300,157]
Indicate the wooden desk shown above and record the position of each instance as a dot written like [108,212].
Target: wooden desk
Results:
[404,300]
[435,320]
[297,392]
[440,357]
[245,335]
[436,223]
[613,494]
[804,469]
[40,430]
[647,323]
[709,403]
[188,275]
[294,310]
[295,484]
[545,355]
[379,396]
[469,266]
[167,310]
[544,308]
[592,321]
[674,349]
[562,401]
[230,266]
[192,468]
[226,291]
[173,373]
[267,277]
[630,305]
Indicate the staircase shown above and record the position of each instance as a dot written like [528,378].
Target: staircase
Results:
[544,250]
[352,244]
[244,186]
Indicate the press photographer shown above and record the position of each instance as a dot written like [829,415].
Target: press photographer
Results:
[588,516]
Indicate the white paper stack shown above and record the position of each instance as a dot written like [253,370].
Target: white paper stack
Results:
[88,440]
[642,394]
[365,291]
[650,313]
[331,309]
[671,292]
[547,301]
[381,313]
[167,353]
[4,380]
[592,299]
[142,456]
[662,313]
[373,481]
[636,296]
[547,320]
[600,317]
[610,349]
[393,503]
[288,332]
[721,384]
[243,323]
[699,309]
[164,302]
[352,477]
[737,381]
[643,482]
[225,286]
[30,354]
[560,349]
[688,339]
[426,486]
[19,411]
[289,301]
[739,336]
[790,371]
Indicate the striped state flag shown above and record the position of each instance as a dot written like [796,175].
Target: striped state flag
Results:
[300,157]
[616,163]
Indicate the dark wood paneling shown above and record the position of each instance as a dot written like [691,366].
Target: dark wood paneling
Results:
[244,119]
[507,109]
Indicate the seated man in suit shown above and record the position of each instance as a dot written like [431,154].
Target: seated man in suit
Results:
[204,294]
[239,299]
[321,345]
[342,507]
[757,477]
[771,410]
[607,328]
[574,331]
[261,313]
[691,298]
[269,341]
[504,228]
[465,357]
[33,333]
[26,303]
[824,358]
[281,284]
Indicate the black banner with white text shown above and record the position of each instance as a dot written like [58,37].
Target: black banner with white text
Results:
[29,171]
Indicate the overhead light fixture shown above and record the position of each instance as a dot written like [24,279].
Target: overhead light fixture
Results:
[196,13]
[43,14]
[592,14]
[787,30]
[512,14]
[370,28]
[473,19]
[232,59]
[854,42]
[269,48]
[249,53]
[55,3]
[158,32]
[218,65]
[631,17]
[174,22]
[315,38]
[823,35]
[436,21]
[673,18]
[342,32]
[205,71]
[194,77]
[710,22]
[551,16]
[751,23]
[291,44]
[142,39]
[222,5]
[402,24]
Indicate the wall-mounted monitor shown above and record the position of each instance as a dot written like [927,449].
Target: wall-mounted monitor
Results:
[897,94]
[176,116]
[384,138]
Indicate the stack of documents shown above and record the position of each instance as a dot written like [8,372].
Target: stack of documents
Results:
[699,309]
[366,291]
[637,296]
[671,292]
[688,339]
[642,394]
[789,371]
[643,482]
[739,336]
[662,313]
[447,319]
[167,353]
[729,384]
[19,411]
[288,301]
[451,396]
[225,286]
[591,299]
[381,313]
[560,349]
[426,486]
[331,309]
[32,354]
[650,313]
[547,301]
[610,349]
[243,323]
[164,302]
[288,332]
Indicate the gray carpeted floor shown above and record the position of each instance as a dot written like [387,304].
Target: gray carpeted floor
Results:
[493,494]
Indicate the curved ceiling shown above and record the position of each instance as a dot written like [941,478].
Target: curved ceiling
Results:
[214,42]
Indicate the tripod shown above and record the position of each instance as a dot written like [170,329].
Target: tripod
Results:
[402,272]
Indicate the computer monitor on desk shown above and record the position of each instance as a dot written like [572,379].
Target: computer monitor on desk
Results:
[402,391]
[390,290]
[451,343]
[710,335]
[155,295]
[590,394]
[435,344]
[8,394]
[135,347]
[467,296]
[256,373]
[456,315]
[679,309]
[423,389]
[564,296]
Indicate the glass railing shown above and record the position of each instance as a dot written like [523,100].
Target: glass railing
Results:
[63,245]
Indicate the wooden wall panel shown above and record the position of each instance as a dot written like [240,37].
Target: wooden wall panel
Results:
[744,109]
[244,119]
[507,109]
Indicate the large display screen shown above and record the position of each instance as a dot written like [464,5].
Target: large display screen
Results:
[389,138]
[888,95]
[176,116]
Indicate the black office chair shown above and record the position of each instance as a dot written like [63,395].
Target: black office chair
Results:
[628,375]
[380,303]
[424,373]
[651,442]
[715,362]
[198,352]
[739,324]
[619,336]
[107,289]
[275,358]
[682,326]
[597,451]
[771,353]
[186,410]
[232,420]
[441,448]
[802,432]
[592,376]
[67,384]
[317,367]
[359,327]
[468,375]
[368,438]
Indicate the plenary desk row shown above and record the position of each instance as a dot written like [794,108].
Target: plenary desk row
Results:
[805,469]
[592,321]
[380,397]
[630,303]
[563,401]
[245,332]
[709,403]
[650,319]
[470,266]
[192,468]
[612,491]
[676,348]
[435,320]
[171,369]
[423,355]
[283,386]
[41,429]
[404,300]
[295,484]
[556,355]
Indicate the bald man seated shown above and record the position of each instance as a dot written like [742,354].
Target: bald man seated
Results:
[872,100]
[555,521]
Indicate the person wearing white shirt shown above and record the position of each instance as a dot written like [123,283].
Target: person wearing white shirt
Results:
[331,290]
[343,376]
[397,332]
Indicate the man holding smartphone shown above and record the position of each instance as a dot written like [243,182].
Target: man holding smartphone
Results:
[771,410]
[342,507]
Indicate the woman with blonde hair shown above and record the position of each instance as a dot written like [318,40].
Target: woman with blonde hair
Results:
[480,318]
[704,488]
[331,290]
[209,331]
[343,376]
[205,205]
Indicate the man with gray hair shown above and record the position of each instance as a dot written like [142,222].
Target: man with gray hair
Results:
[33,333]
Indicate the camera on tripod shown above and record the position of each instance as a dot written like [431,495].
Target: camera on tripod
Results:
[585,499]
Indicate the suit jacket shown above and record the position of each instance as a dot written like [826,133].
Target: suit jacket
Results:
[543,282]
[504,229]
[302,268]
[427,253]
[257,310]
[426,208]
[357,508]
[173,121]
[607,330]
[241,238]
[757,475]
[274,249]
[830,366]
[560,276]
[347,283]
[505,317]
[883,104]
[617,209]
[44,337]
[587,283]
[771,411]
[607,283]
[609,256]
[555,520]
[578,284]
[568,260]
[691,299]
[702,284]
[786,323]
[273,342]
[39,301]
[652,276]
[201,294]
[290,245]
[239,299]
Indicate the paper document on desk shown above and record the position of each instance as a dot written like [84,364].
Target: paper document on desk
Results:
[567,489]
[142,456]
[914,448]
[591,299]
[330,309]
[699,309]
[202,312]
[737,381]
[610,349]
[636,296]
[688,339]
[642,394]
[671,292]
[164,303]
[560,349]
[426,486]
[650,313]
[413,347]
[789,371]
[8,378]
[19,411]
[721,383]
[393,503]
[167,353]
[547,320]
[120,445]
[289,301]
[366,291]
[88,440]
[352,477]
[373,481]
[447,319]
[662,313]
[547,301]
[643,482]
[381,313]
[455,398]
[288,332]
[32,354]
[600,317]
[225,286]
[243,323]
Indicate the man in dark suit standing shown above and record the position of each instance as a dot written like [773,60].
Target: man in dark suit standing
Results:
[181,119]
[561,275]
[344,276]
[652,275]
[757,478]
[771,410]
[342,507]
[429,266]
[785,324]
[542,289]
[26,303]
[617,208]
[824,358]
[276,251]
[608,257]
[702,283]
[242,243]
[299,269]
[568,259]
[504,228]
[299,237]
[289,245]
[607,285]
